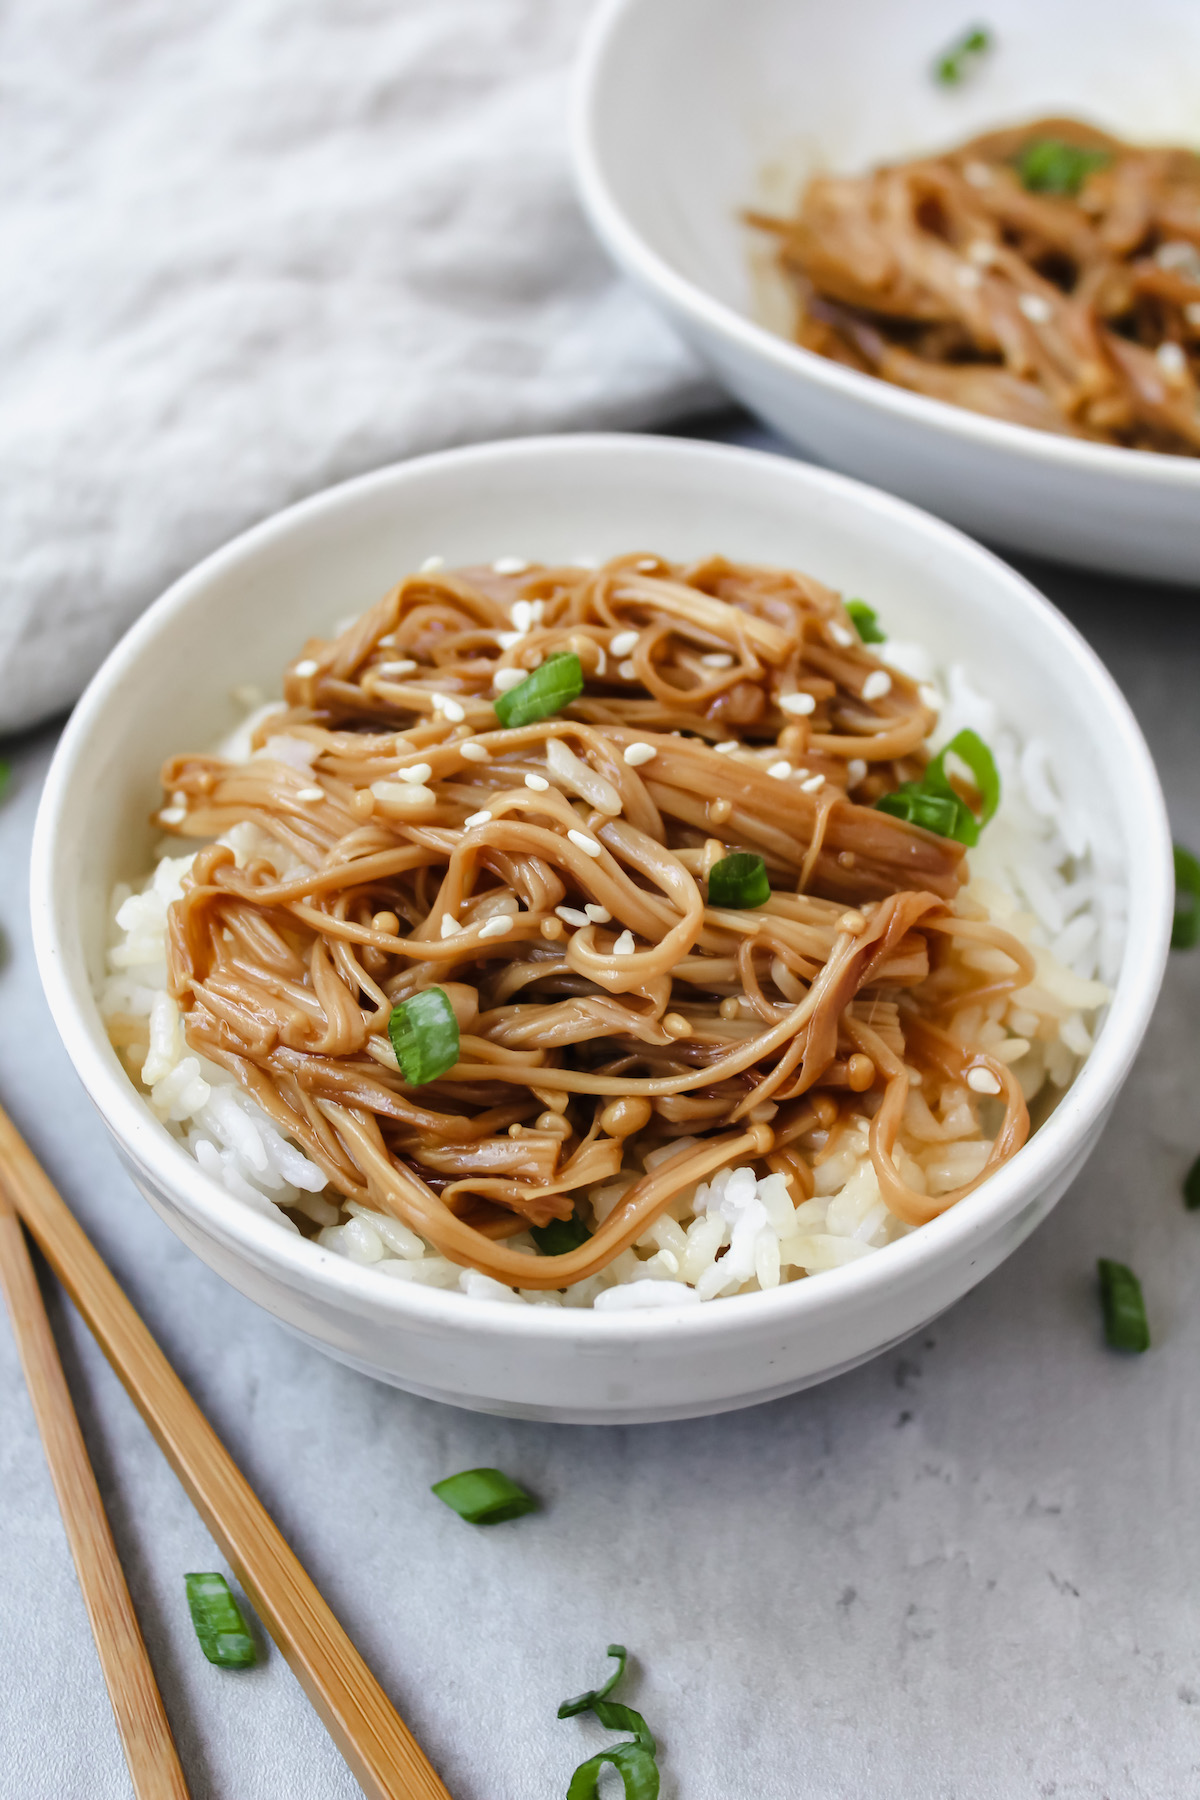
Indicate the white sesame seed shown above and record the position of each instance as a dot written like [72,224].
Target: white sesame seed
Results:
[967,276]
[1177,254]
[877,684]
[508,640]
[570,916]
[599,915]
[453,711]
[179,798]
[983,1081]
[727,748]
[418,772]
[637,754]
[841,634]
[813,785]
[646,562]
[173,815]
[478,818]
[404,666]
[504,680]
[582,841]
[717,659]
[403,796]
[624,945]
[780,770]
[601,661]
[499,926]
[538,783]
[1191,313]
[305,668]
[450,925]
[310,793]
[522,616]
[856,770]
[626,671]
[981,253]
[1036,308]
[978,174]
[431,565]
[929,696]
[624,644]
[510,565]
[799,704]
[476,753]
[1171,359]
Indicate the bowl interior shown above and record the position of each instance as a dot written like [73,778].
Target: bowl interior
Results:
[701,107]
[241,615]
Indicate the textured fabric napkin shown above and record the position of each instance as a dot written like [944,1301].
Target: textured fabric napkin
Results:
[251,247]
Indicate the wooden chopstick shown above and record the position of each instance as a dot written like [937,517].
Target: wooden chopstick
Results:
[382,1754]
[141,1720]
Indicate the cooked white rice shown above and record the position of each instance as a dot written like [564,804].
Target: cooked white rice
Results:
[1040,872]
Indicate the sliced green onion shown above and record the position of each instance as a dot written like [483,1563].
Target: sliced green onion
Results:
[1185,931]
[739,881]
[544,693]
[634,1764]
[484,1496]
[424,1034]
[584,1702]
[933,801]
[866,622]
[951,66]
[1052,166]
[219,1624]
[1125,1326]
[5,777]
[1191,1187]
[560,1235]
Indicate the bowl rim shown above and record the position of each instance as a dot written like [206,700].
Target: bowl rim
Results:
[589,114]
[215,1214]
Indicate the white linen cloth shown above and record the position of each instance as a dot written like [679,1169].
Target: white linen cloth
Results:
[251,247]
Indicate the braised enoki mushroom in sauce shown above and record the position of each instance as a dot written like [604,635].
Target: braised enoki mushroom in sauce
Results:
[596,859]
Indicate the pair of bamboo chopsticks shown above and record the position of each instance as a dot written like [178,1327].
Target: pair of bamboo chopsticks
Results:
[381,1752]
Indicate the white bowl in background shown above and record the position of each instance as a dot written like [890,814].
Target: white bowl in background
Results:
[687,111]
[238,618]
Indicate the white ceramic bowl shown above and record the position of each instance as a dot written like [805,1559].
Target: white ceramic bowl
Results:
[239,616]
[688,110]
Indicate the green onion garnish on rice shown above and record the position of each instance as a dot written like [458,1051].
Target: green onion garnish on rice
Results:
[1185,931]
[560,1236]
[866,622]
[1052,166]
[544,693]
[635,1761]
[952,65]
[1191,1187]
[934,803]
[1125,1326]
[424,1034]
[219,1624]
[484,1496]
[739,881]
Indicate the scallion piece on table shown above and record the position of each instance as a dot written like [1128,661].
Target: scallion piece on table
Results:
[1191,1187]
[952,65]
[424,1034]
[635,1761]
[1185,931]
[1052,166]
[739,881]
[933,801]
[865,620]
[484,1496]
[544,693]
[1125,1326]
[219,1624]
[560,1235]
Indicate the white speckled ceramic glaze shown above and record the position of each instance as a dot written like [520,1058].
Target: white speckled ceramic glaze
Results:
[240,616]
[687,111]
